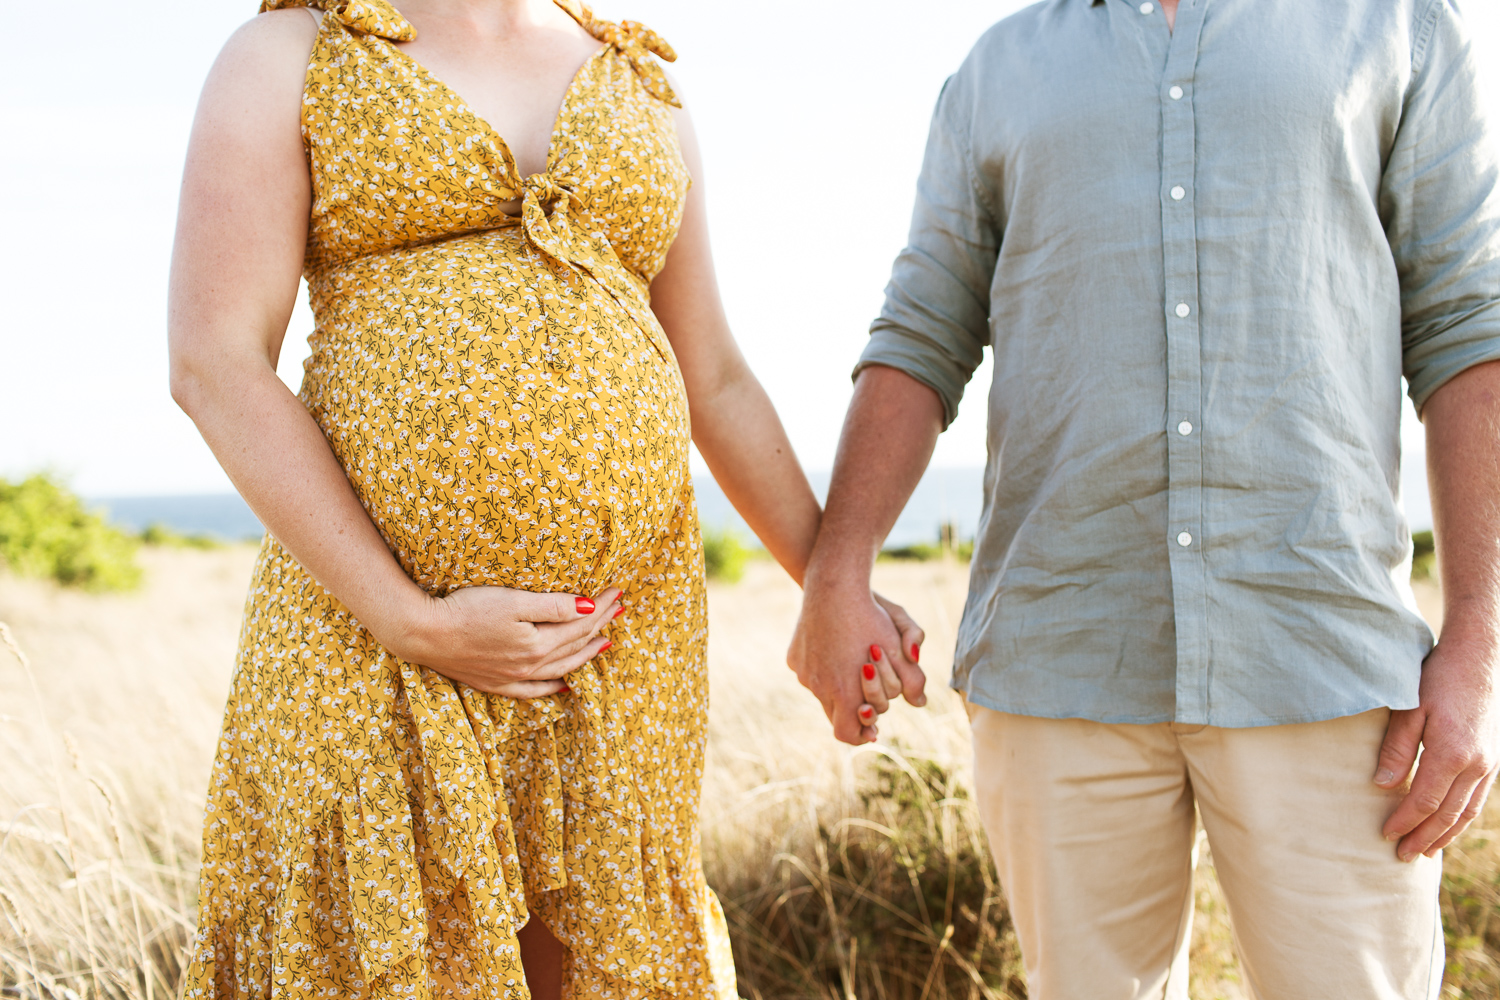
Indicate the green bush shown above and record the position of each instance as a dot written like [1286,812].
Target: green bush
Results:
[1423,556]
[160,534]
[948,542]
[724,554]
[46,532]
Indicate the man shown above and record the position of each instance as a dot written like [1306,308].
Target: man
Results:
[1205,243]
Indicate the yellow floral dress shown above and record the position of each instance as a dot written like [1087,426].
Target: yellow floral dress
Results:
[510,413]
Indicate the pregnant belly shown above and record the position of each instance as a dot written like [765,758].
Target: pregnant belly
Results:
[504,422]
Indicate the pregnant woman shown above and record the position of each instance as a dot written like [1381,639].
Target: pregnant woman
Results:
[465,736]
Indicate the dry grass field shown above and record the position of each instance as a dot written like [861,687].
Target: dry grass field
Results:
[845,872]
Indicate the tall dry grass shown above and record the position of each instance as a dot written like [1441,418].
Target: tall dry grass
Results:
[844,872]
[109,707]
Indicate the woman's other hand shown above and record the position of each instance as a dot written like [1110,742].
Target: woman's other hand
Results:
[910,652]
[507,642]
[887,674]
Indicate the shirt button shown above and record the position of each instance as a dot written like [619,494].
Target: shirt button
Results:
[1182,310]
[1178,193]
[1175,93]
[1147,8]
[1184,539]
[1185,428]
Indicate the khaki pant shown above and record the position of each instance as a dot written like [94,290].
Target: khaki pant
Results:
[1092,826]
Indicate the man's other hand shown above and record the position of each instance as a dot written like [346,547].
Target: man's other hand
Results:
[1457,726]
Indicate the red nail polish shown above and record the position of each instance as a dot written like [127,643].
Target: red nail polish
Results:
[875,653]
[565,689]
[869,671]
[866,712]
[584,606]
[620,612]
[604,647]
[916,653]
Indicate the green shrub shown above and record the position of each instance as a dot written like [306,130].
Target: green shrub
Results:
[724,554]
[920,552]
[46,532]
[160,534]
[1423,556]
[948,542]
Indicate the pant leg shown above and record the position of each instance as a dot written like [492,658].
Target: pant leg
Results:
[1321,908]
[1092,828]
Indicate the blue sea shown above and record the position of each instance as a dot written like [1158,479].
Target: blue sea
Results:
[944,495]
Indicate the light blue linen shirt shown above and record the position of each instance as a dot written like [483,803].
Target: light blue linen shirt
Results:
[1204,261]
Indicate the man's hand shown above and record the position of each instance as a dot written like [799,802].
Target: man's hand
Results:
[832,644]
[1457,723]
[889,432]
[1457,726]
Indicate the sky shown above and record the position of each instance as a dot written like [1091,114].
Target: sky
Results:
[811,116]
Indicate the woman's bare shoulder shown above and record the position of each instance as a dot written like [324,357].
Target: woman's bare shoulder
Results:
[256,82]
[291,28]
[268,53]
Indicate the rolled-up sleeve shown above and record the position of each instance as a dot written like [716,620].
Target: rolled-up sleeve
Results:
[1440,196]
[935,321]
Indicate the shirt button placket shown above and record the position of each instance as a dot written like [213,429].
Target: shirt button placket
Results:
[1184,369]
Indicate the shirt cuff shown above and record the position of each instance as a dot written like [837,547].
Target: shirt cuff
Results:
[916,356]
[1431,364]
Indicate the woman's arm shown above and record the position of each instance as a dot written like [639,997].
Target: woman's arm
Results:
[739,434]
[735,426]
[241,233]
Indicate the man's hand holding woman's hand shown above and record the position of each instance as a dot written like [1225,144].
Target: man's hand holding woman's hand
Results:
[508,642]
[856,651]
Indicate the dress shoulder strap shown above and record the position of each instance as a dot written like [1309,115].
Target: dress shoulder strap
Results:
[369,17]
[638,44]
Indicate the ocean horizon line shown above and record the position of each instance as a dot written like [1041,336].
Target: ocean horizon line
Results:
[945,495]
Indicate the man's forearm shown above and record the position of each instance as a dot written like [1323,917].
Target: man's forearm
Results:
[1463,461]
[1456,726]
[889,433]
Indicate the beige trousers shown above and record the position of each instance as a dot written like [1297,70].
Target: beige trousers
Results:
[1093,828]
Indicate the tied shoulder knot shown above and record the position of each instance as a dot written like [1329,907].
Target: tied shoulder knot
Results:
[369,17]
[639,44]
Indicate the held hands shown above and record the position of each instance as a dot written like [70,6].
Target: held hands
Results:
[856,651]
[1457,725]
[508,642]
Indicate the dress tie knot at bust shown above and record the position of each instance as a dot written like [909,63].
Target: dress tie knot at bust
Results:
[545,191]
[638,43]
[556,223]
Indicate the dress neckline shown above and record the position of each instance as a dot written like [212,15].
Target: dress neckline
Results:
[513,173]
[393,26]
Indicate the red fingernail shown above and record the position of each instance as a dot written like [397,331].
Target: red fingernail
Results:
[620,612]
[916,653]
[564,689]
[869,672]
[875,653]
[584,605]
[866,712]
[604,647]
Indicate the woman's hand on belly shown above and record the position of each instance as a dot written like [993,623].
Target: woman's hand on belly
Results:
[507,642]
